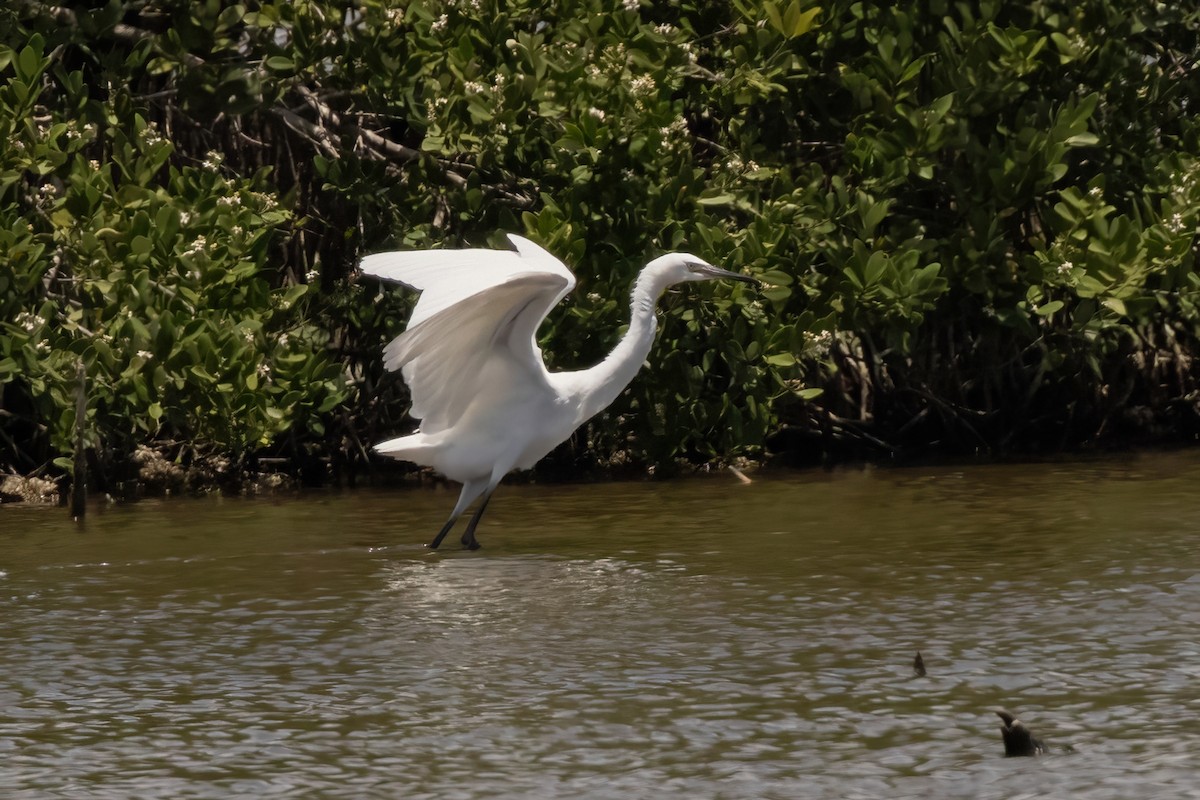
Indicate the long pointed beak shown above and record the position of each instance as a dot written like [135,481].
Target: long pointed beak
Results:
[709,271]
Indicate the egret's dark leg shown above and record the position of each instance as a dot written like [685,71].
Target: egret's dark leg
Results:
[437,540]
[470,490]
[468,537]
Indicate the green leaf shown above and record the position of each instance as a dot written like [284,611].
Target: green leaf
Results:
[804,21]
[280,64]
[1047,309]
[29,64]
[774,17]
[1116,304]
[875,267]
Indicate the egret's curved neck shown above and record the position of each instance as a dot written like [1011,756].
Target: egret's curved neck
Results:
[602,383]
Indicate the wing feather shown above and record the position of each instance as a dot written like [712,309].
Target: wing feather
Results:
[446,277]
[473,304]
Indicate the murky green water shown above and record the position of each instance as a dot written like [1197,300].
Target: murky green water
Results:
[693,639]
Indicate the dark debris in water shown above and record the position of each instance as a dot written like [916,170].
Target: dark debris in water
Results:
[1018,739]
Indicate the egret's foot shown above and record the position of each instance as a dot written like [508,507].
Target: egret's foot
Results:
[469,542]
[437,540]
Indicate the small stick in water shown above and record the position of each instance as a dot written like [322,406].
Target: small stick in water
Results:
[79,474]
[741,476]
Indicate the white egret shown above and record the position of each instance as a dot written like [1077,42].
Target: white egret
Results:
[486,402]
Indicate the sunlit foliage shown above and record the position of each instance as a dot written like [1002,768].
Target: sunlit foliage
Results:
[977,220]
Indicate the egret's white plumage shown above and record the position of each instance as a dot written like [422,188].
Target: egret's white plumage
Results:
[486,402]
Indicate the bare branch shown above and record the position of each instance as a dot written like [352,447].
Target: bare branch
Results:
[120,31]
[311,132]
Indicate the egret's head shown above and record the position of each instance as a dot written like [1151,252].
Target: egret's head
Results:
[680,267]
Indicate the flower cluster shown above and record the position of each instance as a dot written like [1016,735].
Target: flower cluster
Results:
[151,135]
[28,321]
[198,246]
[819,344]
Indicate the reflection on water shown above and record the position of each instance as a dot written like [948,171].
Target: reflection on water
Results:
[695,639]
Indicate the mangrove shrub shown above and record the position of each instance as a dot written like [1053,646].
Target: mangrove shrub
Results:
[976,221]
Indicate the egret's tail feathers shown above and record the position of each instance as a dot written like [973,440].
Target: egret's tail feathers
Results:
[415,447]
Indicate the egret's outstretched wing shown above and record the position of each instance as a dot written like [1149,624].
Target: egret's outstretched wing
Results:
[476,305]
[445,277]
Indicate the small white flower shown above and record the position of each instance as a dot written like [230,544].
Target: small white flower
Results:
[236,230]
[677,126]
[594,297]
[184,217]
[598,113]
[213,159]
[819,343]
[229,201]
[1065,268]
[264,371]
[440,23]
[643,84]
[145,355]
[1095,191]
[473,87]
[664,29]
[150,134]
[28,321]
[283,340]
[248,336]
[395,15]
[198,245]
[631,5]
[311,276]
[94,165]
